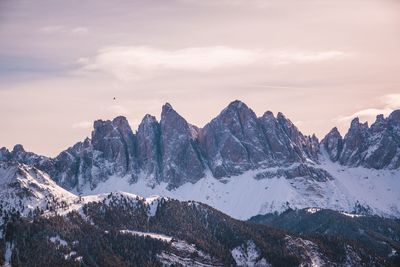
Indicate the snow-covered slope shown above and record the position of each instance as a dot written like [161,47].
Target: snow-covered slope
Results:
[24,188]
[349,189]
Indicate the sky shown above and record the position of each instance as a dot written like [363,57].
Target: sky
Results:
[321,63]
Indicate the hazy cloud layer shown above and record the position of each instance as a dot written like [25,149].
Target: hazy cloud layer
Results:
[130,63]
[389,103]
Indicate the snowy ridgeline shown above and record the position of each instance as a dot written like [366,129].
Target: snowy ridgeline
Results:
[349,190]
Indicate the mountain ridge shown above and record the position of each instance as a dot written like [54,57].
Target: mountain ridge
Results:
[123,229]
[236,143]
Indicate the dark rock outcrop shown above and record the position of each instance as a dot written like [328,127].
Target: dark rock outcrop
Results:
[375,147]
[233,142]
[176,152]
[333,144]
[181,159]
[286,143]
[149,148]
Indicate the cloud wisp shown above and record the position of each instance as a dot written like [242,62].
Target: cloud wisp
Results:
[389,102]
[301,57]
[137,62]
[134,62]
[60,29]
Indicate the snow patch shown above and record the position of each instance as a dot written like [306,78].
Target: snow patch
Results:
[352,215]
[312,210]
[243,196]
[58,241]
[248,255]
[145,234]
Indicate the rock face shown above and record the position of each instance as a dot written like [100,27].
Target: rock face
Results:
[175,152]
[375,147]
[286,142]
[181,159]
[234,141]
[149,149]
[333,144]
[112,151]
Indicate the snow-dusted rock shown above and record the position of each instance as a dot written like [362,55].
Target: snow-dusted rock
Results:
[233,142]
[181,160]
[236,156]
[333,144]
[25,189]
[149,149]
[375,147]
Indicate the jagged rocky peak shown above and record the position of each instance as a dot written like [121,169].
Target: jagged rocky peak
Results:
[18,152]
[288,127]
[356,125]
[233,142]
[108,129]
[175,152]
[354,143]
[4,154]
[285,140]
[149,150]
[109,136]
[237,112]
[116,144]
[380,118]
[18,148]
[394,118]
[333,144]
[110,152]
[277,140]
[268,115]
[121,123]
[376,147]
[181,159]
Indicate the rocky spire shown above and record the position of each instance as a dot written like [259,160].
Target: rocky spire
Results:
[181,160]
[5,155]
[149,149]
[117,145]
[333,144]
[233,141]
[376,147]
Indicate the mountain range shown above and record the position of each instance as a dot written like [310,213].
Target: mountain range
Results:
[334,202]
[235,156]
[43,224]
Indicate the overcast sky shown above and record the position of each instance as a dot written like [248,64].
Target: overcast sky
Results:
[321,63]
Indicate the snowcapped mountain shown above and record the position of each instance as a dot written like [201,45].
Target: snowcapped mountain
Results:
[106,228]
[25,189]
[242,164]
[120,229]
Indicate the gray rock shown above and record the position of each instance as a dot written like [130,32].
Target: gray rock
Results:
[181,159]
[149,148]
[333,144]
[375,147]
[233,142]
[176,152]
